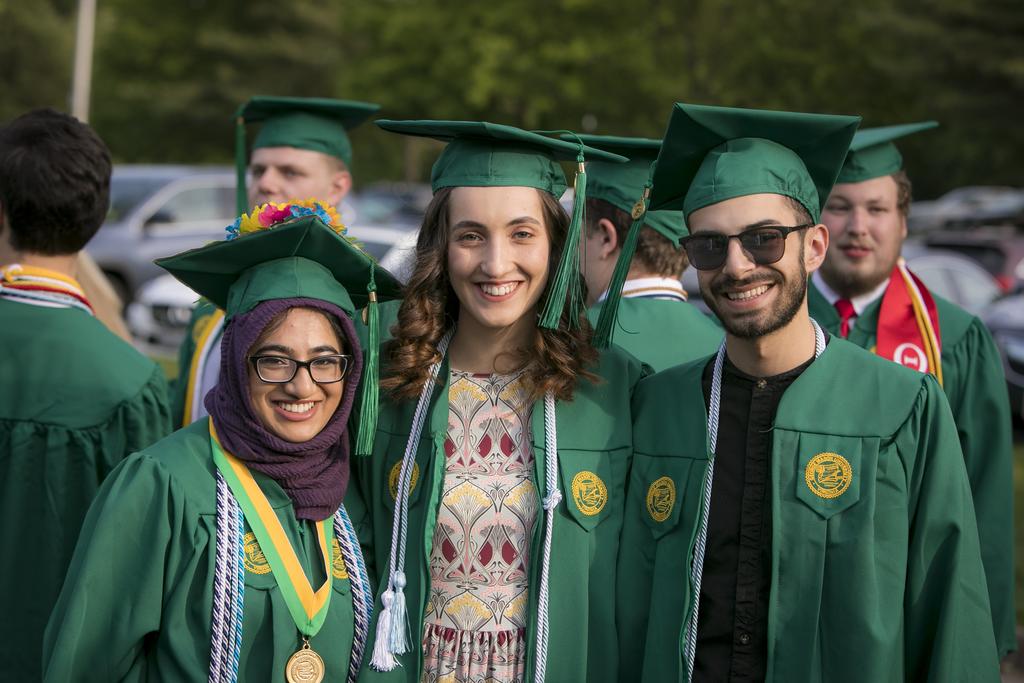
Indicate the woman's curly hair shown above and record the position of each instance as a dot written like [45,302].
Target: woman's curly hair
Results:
[556,360]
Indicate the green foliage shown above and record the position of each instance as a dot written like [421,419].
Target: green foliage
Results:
[36,40]
[169,75]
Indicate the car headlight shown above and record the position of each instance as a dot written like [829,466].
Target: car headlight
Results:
[173,316]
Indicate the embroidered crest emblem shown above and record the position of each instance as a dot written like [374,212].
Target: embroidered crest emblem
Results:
[338,567]
[589,492]
[255,561]
[911,356]
[661,497]
[828,475]
[393,478]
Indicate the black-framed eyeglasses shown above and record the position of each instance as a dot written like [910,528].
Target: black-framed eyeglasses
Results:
[282,369]
[708,251]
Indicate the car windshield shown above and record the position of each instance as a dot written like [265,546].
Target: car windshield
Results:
[127,192]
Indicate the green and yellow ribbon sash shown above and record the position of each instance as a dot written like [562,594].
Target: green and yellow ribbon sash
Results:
[307,607]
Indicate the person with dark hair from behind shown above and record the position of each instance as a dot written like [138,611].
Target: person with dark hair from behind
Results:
[653,320]
[77,399]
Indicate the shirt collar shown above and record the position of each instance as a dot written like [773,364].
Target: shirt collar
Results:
[859,302]
[651,287]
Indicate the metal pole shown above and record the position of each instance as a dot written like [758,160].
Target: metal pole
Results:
[82,71]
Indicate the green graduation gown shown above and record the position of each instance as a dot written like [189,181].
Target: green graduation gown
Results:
[76,401]
[662,333]
[882,582]
[138,599]
[975,385]
[593,436]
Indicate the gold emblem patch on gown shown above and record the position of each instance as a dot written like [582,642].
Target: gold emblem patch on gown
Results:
[828,475]
[338,567]
[589,492]
[661,496]
[255,561]
[393,478]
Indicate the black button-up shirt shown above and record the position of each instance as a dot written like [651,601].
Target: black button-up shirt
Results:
[732,627]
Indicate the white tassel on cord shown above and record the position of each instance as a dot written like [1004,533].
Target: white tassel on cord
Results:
[398,641]
[392,635]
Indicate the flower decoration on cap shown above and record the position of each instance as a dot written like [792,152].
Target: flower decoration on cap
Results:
[269,215]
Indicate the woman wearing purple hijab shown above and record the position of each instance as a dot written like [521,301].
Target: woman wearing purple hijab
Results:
[227,551]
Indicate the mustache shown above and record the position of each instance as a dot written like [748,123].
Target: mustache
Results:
[724,282]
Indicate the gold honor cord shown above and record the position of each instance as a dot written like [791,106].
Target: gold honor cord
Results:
[308,608]
[193,379]
[924,323]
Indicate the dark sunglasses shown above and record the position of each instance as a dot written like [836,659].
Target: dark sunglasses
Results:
[281,369]
[708,251]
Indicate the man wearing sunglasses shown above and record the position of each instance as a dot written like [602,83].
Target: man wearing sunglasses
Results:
[798,508]
[865,293]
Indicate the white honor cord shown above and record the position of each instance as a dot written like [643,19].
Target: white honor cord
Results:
[550,502]
[392,624]
[697,570]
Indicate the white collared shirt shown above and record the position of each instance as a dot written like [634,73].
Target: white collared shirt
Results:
[666,288]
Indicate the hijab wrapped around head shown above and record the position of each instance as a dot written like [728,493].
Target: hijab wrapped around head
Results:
[313,473]
[284,256]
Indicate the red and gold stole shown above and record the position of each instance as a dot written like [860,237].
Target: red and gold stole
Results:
[908,324]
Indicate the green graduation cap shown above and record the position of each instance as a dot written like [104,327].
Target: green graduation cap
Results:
[298,257]
[872,153]
[711,154]
[627,187]
[481,154]
[313,123]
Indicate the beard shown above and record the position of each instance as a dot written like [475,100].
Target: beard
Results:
[791,296]
[849,283]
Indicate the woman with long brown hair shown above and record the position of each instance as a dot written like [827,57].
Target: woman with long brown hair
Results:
[503,434]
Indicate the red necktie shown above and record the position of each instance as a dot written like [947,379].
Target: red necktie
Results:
[846,314]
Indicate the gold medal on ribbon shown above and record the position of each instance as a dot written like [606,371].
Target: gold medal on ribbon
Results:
[305,666]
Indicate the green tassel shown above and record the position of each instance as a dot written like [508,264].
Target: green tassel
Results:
[605,329]
[241,198]
[371,374]
[565,284]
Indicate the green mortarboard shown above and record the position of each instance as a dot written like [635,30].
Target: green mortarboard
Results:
[299,258]
[872,153]
[480,154]
[313,123]
[627,187]
[711,154]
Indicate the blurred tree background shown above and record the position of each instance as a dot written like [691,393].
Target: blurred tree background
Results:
[168,76]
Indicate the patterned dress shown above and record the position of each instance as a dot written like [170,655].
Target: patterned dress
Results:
[474,628]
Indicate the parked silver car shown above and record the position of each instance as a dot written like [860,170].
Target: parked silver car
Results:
[1005,319]
[157,211]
